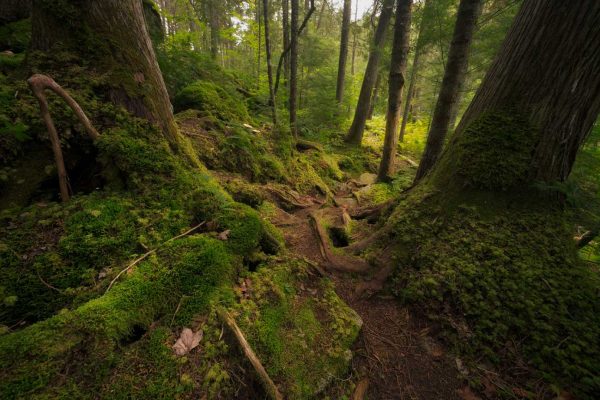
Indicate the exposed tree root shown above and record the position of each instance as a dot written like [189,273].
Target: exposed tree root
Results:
[38,83]
[262,374]
[362,245]
[288,198]
[303,145]
[361,389]
[372,212]
[337,262]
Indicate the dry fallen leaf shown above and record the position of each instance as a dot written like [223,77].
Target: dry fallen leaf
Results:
[466,393]
[224,235]
[187,341]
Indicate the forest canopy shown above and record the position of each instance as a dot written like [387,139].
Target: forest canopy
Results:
[299,199]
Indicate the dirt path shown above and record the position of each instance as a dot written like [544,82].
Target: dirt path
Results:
[395,351]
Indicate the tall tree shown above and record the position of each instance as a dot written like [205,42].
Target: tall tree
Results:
[14,10]
[354,33]
[269,65]
[454,75]
[285,22]
[293,107]
[410,93]
[347,12]
[356,131]
[552,83]
[215,31]
[396,84]
[136,80]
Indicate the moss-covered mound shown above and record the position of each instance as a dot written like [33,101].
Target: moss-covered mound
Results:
[493,258]
[298,326]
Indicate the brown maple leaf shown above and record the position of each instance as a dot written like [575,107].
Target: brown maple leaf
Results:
[187,341]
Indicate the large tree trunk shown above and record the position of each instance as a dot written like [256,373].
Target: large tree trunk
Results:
[545,80]
[294,69]
[396,83]
[116,42]
[339,93]
[547,70]
[456,69]
[213,22]
[14,10]
[357,129]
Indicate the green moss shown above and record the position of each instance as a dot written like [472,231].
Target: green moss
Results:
[494,152]
[212,99]
[15,36]
[299,327]
[497,269]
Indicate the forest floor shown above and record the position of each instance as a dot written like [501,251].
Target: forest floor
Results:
[396,355]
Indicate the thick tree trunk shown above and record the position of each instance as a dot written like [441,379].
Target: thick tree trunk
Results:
[357,129]
[545,74]
[269,65]
[339,93]
[454,75]
[396,84]
[117,43]
[14,10]
[285,9]
[294,69]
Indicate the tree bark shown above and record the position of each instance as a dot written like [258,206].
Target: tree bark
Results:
[339,93]
[356,131]
[117,43]
[213,22]
[354,31]
[454,75]
[410,94]
[286,37]
[546,71]
[375,96]
[269,65]
[14,10]
[294,69]
[396,84]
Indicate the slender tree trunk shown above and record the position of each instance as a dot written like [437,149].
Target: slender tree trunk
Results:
[547,71]
[339,93]
[259,22]
[286,37]
[320,20]
[410,94]
[214,30]
[269,65]
[396,84]
[454,75]
[375,96]
[306,8]
[294,69]
[356,131]
[354,38]
[120,23]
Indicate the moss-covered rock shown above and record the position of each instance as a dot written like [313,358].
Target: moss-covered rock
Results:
[212,99]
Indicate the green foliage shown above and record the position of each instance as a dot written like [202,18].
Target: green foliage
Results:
[15,36]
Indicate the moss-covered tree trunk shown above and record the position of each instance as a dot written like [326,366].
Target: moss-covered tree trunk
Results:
[111,36]
[547,70]
[341,75]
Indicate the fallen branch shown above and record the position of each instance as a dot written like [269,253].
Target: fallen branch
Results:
[361,389]
[38,83]
[266,381]
[587,237]
[146,255]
